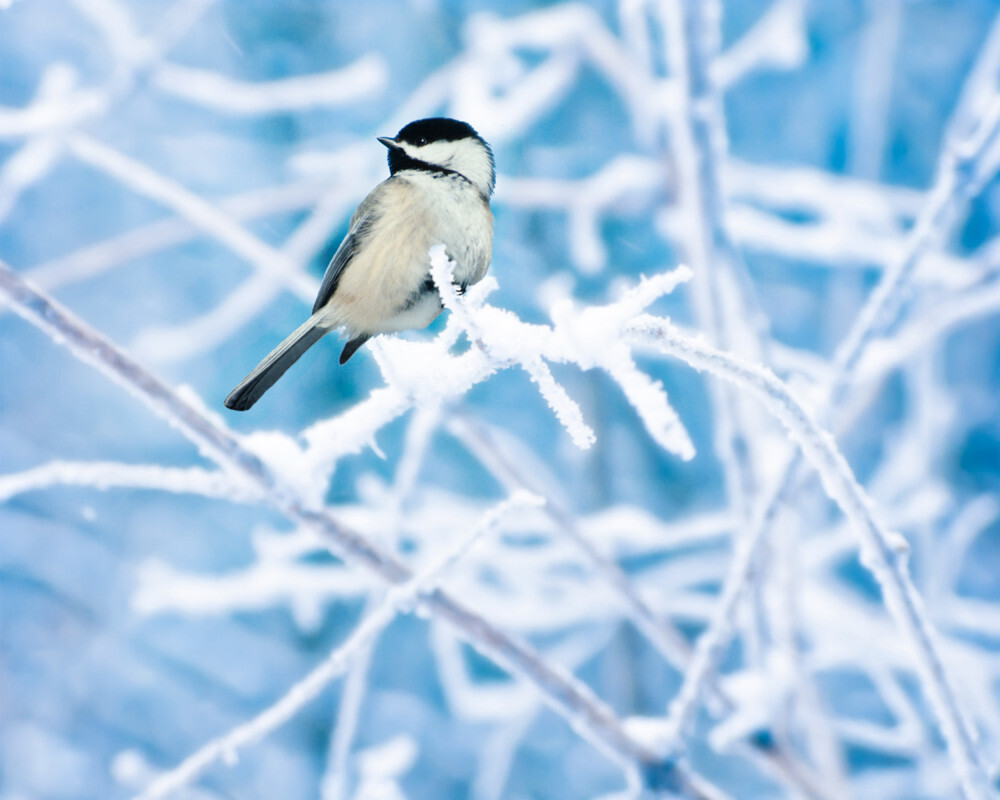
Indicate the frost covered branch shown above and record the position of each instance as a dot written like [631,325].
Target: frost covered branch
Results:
[565,693]
[962,172]
[660,633]
[698,142]
[883,552]
[180,172]
[398,599]
[107,475]
[196,211]
[588,338]
[361,79]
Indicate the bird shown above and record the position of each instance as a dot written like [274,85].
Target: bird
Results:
[441,178]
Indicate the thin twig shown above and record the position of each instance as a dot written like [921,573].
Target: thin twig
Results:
[111,474]
[882,552]
[658,630]
[697,130]
[358,643]
[571,698]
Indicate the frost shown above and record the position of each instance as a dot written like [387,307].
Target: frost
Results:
[588,337]
[759,696]
[631,477]
[389,760]
[341,87]
[130,768]
[288,461]
[657,733]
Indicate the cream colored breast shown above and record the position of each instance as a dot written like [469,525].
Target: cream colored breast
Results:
[415,212]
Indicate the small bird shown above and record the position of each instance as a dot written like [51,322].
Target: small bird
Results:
[441,176]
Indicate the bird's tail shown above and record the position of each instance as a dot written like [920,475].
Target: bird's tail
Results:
[276,364]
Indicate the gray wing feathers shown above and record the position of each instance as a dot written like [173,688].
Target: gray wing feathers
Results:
[361,221]
[288,352]
[275,365]
[331,277]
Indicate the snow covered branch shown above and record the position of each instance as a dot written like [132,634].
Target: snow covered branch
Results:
[883,552]
[688,600]
[565,693]
[398,599]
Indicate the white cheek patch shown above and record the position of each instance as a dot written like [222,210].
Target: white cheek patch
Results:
[439,153]
[467,157]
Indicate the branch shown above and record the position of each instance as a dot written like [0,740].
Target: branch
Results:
[563,692]
[110,474]
[658,630]
[698,141]
[200,213]
[400,597]
[587,337]
[362,79]
[961,175]
[882,552]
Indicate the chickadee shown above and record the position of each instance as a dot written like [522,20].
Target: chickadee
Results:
[438,191]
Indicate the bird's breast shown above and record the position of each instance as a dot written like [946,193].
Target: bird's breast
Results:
[381,290]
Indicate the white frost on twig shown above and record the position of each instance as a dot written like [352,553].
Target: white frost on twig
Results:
[401,597]
[883,552]
[558,572]
[365,77]
[109,475]
[588,338]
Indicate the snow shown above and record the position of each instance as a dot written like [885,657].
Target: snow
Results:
[695,493]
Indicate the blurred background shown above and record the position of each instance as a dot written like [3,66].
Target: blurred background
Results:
[178,174]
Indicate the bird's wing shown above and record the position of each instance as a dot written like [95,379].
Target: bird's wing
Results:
[348,248]
[362,220]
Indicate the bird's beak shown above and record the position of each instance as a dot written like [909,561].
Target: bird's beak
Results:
[388,141]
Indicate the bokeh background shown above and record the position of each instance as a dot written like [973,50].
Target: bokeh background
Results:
[178,173]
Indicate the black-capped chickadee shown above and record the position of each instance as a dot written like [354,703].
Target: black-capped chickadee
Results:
[438,191]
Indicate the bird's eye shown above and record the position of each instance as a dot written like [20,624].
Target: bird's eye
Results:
[421,141]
